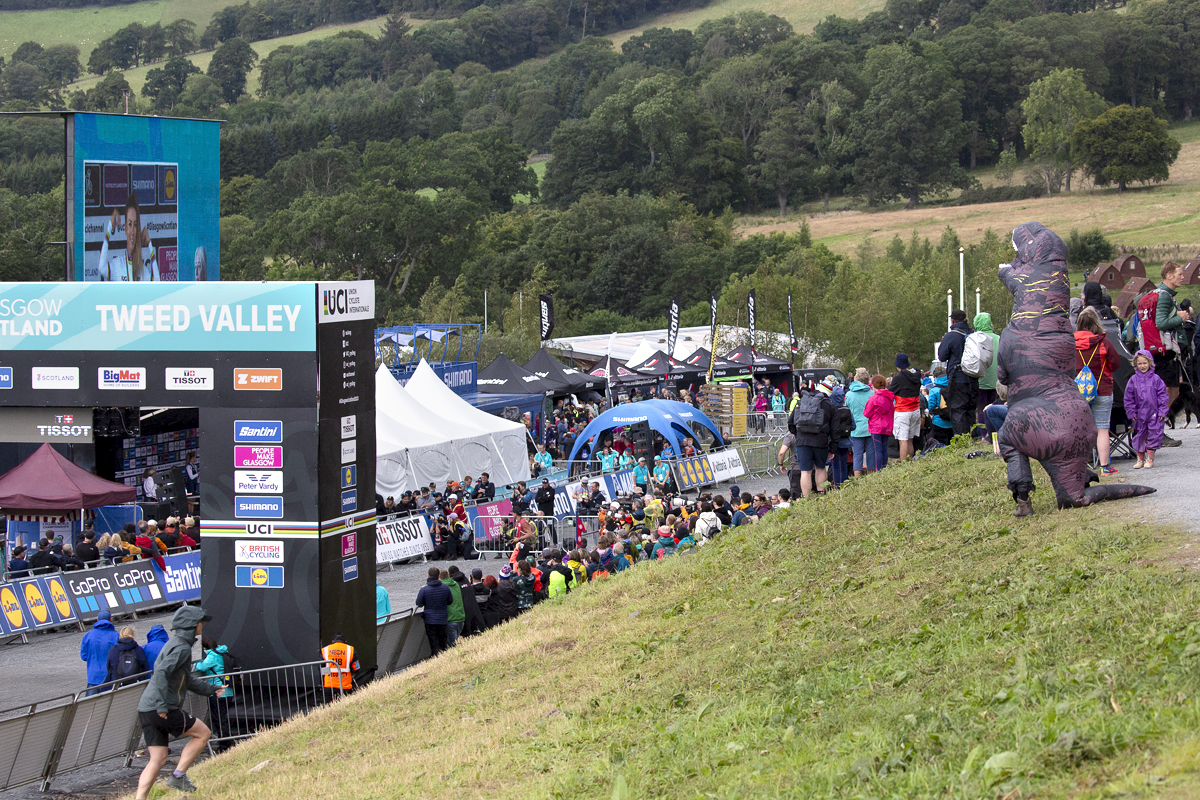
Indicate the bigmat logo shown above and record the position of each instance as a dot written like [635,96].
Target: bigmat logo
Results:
[261,380]
[121,378]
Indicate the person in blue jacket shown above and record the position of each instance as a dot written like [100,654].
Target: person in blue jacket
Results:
[943,426]
[94,649]
[641,476]
[155,639]
[383,604]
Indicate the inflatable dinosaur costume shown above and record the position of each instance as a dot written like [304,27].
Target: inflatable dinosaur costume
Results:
[1048,419]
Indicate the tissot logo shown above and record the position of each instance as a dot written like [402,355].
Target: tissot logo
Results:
[121,378]
[199,379]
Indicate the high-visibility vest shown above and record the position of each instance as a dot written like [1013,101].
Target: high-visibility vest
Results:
[342,655]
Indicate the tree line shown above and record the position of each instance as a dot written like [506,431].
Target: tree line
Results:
[367,156]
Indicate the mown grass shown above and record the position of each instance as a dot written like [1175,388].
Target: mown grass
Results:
[137,77]
[1142,216]
[904,638]
[803,14]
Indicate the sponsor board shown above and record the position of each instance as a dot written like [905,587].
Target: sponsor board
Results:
[349,501]
[487,519]
[14,617]
[117,378]
[402,538]
[258,507]
[263,379]
[58,598]
[258,481]
[349,544]
[258,456]
[349,476]
[180,576]
[121,588]
[35,601]
[54,377]
[5,377]
[257,551]
[341,301]
[349,451]
[255,577]
[349,569]
[349,426]
[726,464]
[693,472]
[258,431]
[183,379]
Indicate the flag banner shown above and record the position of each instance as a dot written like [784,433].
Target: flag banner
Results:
[752,308]
[546,302]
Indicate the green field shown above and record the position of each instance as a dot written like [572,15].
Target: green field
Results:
[904,638]
[87,27]
[1162,218]
[137,77]
[803,14]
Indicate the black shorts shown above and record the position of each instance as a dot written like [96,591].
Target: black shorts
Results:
[158,731]
[1166,366]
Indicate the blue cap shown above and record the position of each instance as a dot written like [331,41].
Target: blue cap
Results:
[902,361]
[105,615]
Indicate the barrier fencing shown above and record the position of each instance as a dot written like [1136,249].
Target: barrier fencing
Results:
[257,699]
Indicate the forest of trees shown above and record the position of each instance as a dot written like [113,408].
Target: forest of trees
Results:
[398,156]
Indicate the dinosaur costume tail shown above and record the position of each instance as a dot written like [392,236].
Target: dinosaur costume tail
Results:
[1115,491]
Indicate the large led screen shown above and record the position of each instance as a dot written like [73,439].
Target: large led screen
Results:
[147,198]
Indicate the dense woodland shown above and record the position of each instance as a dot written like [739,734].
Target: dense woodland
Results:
[399,157]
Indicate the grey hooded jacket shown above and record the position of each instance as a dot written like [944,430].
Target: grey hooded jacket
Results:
[172,678]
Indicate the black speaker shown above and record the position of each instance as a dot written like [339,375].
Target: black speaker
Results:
[178,491]
[640,437]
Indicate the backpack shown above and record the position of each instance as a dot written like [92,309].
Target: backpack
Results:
[1086,380]
[600,573]
[231,662]
[1148,335]
[127,665]
[809,415]
[843,422]
[977,354]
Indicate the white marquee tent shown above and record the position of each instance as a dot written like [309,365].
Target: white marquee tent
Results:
[426,433]
[506,461]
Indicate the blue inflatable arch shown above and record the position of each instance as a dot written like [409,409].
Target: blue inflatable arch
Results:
[670,418]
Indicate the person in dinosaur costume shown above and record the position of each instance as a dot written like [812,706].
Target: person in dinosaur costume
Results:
[1048,419]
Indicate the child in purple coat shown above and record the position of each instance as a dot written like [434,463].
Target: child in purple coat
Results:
[1146,407]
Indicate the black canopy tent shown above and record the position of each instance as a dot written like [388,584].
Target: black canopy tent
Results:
[505,376]
[659,364]
[697,365]
[619,376]
[562,379]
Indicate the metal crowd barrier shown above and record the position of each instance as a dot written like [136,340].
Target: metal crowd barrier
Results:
[257,699]
[401,641]
[43,739]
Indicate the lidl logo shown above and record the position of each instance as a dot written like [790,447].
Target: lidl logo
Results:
[254,577]
[37,604]
[58,596]
[12,608]
[349,476]
[169,184]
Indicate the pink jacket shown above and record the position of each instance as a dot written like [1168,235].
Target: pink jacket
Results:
[761,403]
[879,411]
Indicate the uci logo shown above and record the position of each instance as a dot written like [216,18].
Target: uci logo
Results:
[259,577]
[336,301]
[59,597]
[12,609]
[36,603]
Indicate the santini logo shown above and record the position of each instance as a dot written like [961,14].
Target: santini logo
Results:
[121,378]
[258,431]
[269,380]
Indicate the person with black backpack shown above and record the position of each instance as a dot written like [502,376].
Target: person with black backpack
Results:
[126,658]
[811,422]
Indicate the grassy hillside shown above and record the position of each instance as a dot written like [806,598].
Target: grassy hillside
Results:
[803,14]
[87,27]
[1141,217]
[904,638]
[137,77]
